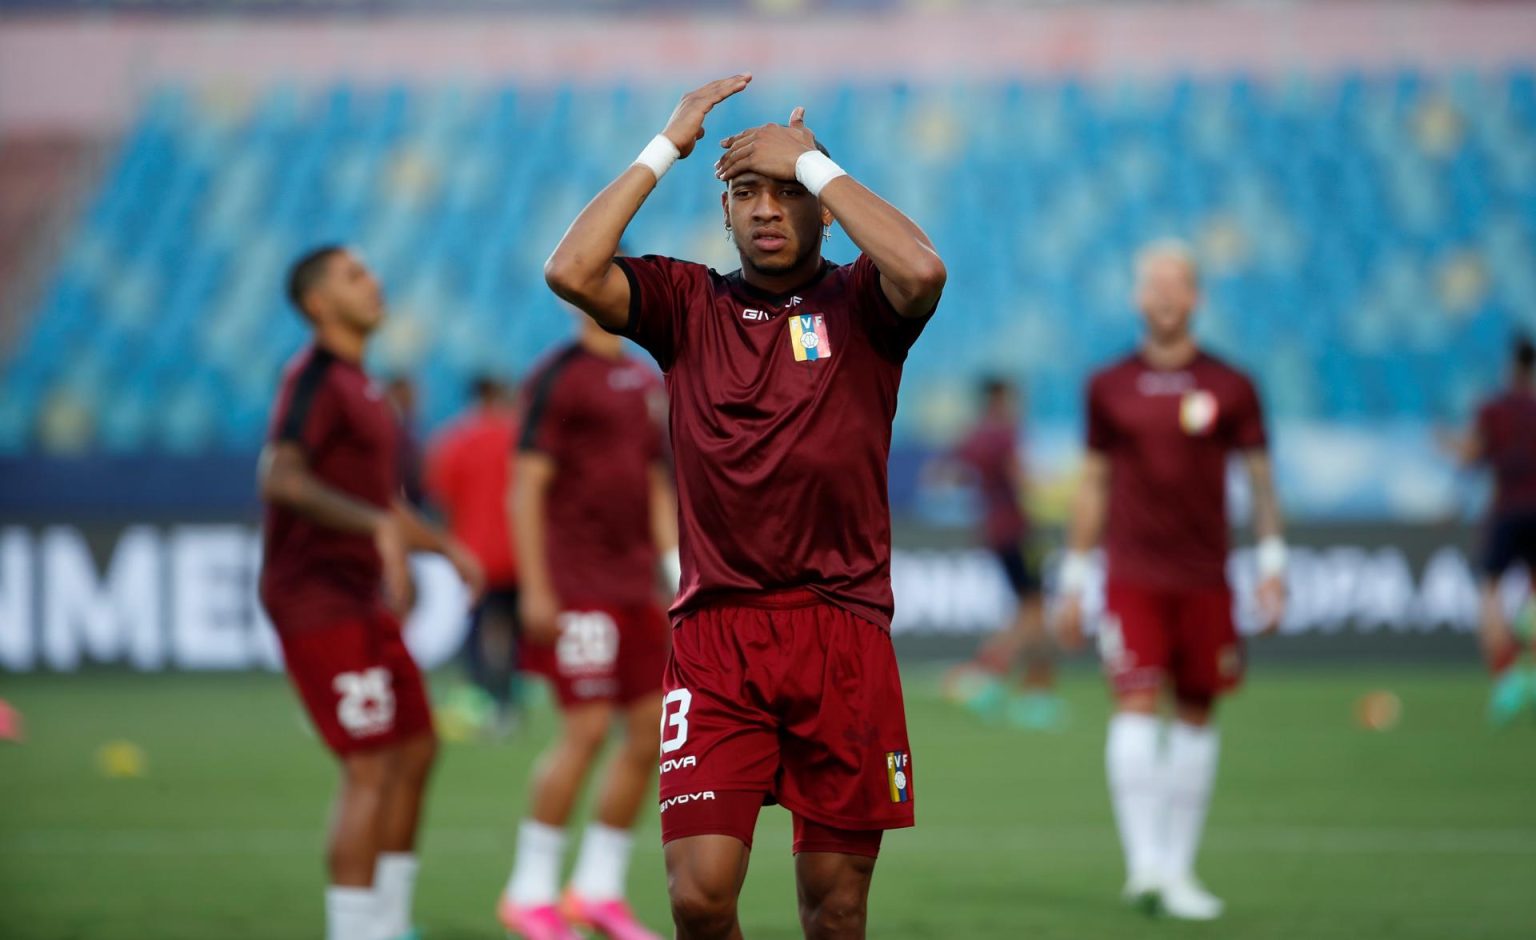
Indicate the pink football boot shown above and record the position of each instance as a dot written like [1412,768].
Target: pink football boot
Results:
[543,922]
[612,919]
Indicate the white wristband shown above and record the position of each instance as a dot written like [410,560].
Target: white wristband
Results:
[1076,571]
[672,569]
[815,170]
[658,156]
[1271,555]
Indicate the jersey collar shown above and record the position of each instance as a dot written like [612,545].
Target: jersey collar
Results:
[739,283]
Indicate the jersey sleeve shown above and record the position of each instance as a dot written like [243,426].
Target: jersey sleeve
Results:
[658,303]
[1102,435]
[1248,419]
[309,412]
[890,332]
[544,414]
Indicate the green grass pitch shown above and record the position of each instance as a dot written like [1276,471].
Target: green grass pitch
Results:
[1319,830]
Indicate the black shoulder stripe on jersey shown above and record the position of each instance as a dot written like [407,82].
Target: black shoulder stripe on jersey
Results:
[304,389]
[538,400]
[634,300]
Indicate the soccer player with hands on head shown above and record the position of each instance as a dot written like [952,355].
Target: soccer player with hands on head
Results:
[1162,424]
[782,382]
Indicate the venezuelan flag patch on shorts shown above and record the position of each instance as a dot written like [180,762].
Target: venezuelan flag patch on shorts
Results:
[898,773]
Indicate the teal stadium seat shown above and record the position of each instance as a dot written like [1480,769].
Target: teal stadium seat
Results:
[1367,237]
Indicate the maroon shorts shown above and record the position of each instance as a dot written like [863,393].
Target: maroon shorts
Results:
[1184,635]
[603,654]
[358,681]
[784,698]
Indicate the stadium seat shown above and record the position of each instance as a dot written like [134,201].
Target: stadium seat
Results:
[1366,237]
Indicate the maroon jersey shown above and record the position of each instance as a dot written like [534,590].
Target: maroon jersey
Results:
[311,574]
[599,420]
[1167,434]
[1506,426]
[991,451]
[781,410]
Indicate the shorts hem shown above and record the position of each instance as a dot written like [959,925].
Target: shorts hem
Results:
[848,822]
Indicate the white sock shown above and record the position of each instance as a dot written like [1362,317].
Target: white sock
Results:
[394,881]
[535,877]
[1136,790]
[602,864]
[350,914]
[1191,775]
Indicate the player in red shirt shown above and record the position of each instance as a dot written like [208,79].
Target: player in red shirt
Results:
[469,477]
[1162,425]
[335,539]
[1503,439]
[989,455]
[782,379]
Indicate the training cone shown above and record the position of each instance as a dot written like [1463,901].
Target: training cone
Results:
[11,728]
[1378,711]
[121,759]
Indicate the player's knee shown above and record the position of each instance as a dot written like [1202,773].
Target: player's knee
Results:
[366,773]
[701,911]
[420,756]
[837,913]
[1195,708]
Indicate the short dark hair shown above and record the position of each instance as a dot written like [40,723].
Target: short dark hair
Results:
[485,388]
[306,272]
[1525,354]
[993,386]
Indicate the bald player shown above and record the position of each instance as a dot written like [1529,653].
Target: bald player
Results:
[1162,425]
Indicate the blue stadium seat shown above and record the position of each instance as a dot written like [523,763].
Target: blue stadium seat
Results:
[1367,235]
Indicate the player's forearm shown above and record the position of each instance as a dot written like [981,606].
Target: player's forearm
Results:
[1087,523]
[902,251]
[419,534]
[528,526]
[1268,523]
[301,492]
[1089,505]
[579,270]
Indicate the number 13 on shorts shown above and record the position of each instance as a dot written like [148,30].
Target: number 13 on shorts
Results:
[674,720]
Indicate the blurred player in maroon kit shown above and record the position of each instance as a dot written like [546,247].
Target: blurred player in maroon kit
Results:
[336,535]
[989,453]
[1503,439]
[469,477]
[596,519]
[782,379]
[1162,425]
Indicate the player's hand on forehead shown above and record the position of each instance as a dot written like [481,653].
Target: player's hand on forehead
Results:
[770,150]
[686,126]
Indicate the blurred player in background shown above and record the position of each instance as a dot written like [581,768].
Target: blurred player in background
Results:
[1503,439]
[595,515]
[989,455]
[783,377]
[334,579]
[1161,427]
[469,478]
